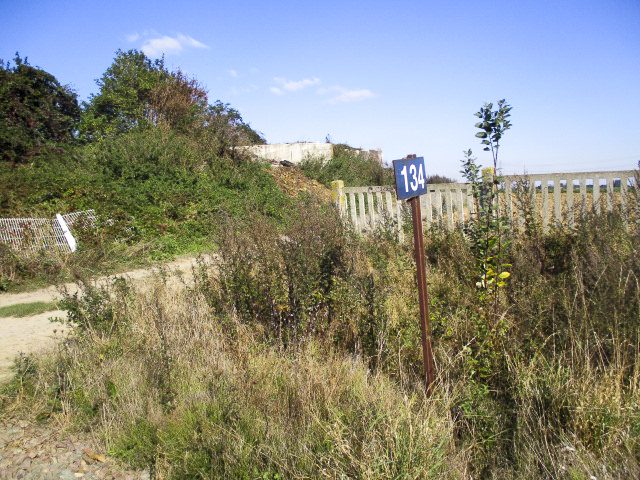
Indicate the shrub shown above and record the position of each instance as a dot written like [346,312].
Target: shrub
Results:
[158,192]
[355,168]
[290,280]
[18,267]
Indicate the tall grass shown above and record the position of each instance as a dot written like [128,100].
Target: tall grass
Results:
[296,354]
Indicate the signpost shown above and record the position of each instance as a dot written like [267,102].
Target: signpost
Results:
[410,176]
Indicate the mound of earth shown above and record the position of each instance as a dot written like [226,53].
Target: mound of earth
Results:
[293,182]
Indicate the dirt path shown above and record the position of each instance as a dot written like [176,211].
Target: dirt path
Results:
[35,450]
[37,333]
[27,335]
[50,294]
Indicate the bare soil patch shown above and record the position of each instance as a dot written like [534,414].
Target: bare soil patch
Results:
[37,333]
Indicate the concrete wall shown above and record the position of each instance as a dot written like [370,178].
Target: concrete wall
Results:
[296,152]
[293,152]
[375,154]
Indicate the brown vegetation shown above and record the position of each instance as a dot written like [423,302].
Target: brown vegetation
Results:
[296,354]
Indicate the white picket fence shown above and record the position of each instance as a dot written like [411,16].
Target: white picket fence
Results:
[33,234]
[551,199]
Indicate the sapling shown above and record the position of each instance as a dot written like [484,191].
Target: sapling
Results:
[485,230]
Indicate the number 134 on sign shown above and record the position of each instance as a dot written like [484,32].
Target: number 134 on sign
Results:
[410,177]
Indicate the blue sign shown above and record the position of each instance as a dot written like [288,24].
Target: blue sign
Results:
[410,177]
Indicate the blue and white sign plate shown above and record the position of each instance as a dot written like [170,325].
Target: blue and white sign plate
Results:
[410,177]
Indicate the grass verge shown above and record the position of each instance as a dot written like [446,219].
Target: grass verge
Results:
[27,309]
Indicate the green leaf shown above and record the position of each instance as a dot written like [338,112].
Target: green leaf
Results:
[504,275]
[481,134]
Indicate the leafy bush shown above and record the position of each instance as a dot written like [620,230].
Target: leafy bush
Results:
[355,168]
[293,281]
[158,191]
[16,268]
[168,184]
[97,310]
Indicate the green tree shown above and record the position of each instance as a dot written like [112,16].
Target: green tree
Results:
[179,102]
[124,101]
[224,130]
[137,93]
[485,357]
[37,114]
[487,226]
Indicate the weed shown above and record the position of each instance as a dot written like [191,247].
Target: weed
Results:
[100,309]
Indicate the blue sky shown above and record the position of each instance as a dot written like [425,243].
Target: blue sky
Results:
[403,76]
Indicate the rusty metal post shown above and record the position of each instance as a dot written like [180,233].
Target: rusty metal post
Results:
[418,242]
[423,296]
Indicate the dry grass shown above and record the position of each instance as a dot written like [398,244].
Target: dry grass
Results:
[183,378]
[187,383]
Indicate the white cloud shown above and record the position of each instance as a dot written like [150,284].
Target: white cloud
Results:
[157,46]
[190,41]
[133,37]
[353,96]
[241,90]
[293,86]
[254,70]
[154,47]
[345,95]
[340,94]
[233,73]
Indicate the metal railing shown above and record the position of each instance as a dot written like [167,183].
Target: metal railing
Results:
[33,234]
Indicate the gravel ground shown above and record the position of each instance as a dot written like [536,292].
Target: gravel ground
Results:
[47,452]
